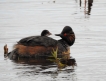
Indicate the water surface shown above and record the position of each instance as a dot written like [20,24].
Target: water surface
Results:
[23,18]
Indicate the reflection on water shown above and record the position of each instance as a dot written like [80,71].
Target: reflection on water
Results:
[48,73]
[89,7]
[45,72]
[33,61]
[90,3]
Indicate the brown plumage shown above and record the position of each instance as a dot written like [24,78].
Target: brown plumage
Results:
[33,50]
[34,46]
[5,49]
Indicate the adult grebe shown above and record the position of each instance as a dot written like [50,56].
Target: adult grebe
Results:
[42,46]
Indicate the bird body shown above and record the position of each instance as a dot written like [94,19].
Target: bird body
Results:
[35,46]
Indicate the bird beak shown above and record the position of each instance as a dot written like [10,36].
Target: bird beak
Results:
[57,34]
[50,33]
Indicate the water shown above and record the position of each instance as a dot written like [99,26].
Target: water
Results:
[21,18]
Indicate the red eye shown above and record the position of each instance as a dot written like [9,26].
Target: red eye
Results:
[65,34]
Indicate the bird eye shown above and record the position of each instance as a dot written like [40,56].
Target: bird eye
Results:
[65,34]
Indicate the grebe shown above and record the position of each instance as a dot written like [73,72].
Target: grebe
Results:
[43,46]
